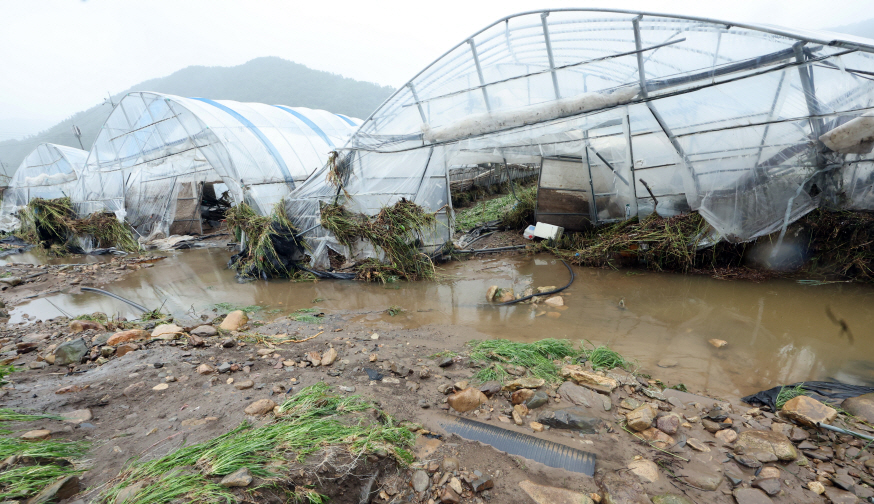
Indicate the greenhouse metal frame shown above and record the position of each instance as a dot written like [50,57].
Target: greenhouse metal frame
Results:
[158,154]
[626,113]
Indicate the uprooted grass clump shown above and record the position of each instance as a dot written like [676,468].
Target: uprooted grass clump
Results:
[396,231]
[787,394]
[840,244]
[536,357]
[604,357]
[52,225]
[311,422]
[33,465]
[658,243]
[507,210]
[271,242]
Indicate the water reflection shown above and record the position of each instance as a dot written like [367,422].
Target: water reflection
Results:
[777,332]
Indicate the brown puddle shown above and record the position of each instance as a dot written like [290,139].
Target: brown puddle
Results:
[777,332]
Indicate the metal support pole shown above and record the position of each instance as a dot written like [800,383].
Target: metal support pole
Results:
[644,91]
[479,72]
[543,17]
[807,86]
[770,117]
[418,103]
[593,207]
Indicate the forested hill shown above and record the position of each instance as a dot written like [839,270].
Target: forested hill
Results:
[266,80]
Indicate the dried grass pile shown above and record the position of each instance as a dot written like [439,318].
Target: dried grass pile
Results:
[396,231]
[271,245]
[52,225]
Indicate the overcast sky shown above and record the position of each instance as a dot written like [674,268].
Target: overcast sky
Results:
[58,57]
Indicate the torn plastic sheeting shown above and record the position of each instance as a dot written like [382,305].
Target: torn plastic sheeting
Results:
[830,392]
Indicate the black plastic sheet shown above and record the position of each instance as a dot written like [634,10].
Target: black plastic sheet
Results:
[828,392]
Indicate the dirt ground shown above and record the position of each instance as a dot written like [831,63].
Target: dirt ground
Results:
[130,420]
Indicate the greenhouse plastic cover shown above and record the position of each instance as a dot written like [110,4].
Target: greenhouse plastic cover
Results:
[49,172]
[155,149]
[751,125]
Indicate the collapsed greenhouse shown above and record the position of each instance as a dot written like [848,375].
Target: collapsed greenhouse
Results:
[160,161]
[49,172]
[625,113]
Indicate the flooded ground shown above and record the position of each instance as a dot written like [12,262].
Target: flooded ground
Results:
[777,332]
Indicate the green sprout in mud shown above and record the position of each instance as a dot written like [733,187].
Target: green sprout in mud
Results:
[312,420]
[787,394]
[305,315]
[229,307]
[394,310]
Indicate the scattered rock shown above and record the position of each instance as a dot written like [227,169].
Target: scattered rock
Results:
[70,352]
[483,483]
[490,293]
[838,496]
[229,343]
[64,488]
[521,395]
[554,301]
[718,343]
[132,389]
[524,383]
[622,490]
[769,472]
[536,426]
[750,496]
[37,364]
[77,326]
[126,348]
[589,379]
[204,331]
[238,478]
[646,470]
[315,358]
[77,416]
[466,400]
[128,493]
[260,407]
[670,499]
[808,411]
[167,332]
[455,485]
[570,418]
[36,434]
[537,400]
[125,336]
[697,445]
[702,476]
[490,388]
[205,369]
[449,496]
[244,384]
[816,487]
[421,481]
[450,464]
[657,438]
[234,320]
[161,386]
[767,442]
[770,486]
[446,362]
[577,395]
[11,281]
[640,419]
[517,418]
[542,494]
[669,424]
[862,406]
[329,357]
[726,436]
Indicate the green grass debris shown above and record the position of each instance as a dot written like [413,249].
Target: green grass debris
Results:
[262,234]
[394,310]
[397,231]
[510,212]
[537,357]
[787,394]
[603,357]
[306,315]
[311,421]
[229,307]
[52,225]
[39,463]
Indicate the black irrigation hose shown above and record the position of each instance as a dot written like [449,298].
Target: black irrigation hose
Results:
[556,291]
[128,301]
[499,249]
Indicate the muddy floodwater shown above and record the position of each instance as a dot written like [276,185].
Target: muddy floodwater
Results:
[777,332]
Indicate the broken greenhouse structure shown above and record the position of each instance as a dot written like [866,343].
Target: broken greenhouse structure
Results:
[160,159]
[625,113]
[49,172]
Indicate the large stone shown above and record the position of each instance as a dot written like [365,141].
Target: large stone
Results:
[750,496]
[63,488]
[204,331]
[77,326]
[70,352]
[669,424]
[837,496]
[125,336]
[205,369]
[570,418]
[521,395]
[235,320]
[770,486]
[619,489]
[589,379]
[77,416]
[726,436]
[646,470]
[702,476]
[657,438]
[329,357]
[128,493]
[490,388]
[524,383]
[542,494]
[167,332]
[125,348]
[579,396]
[768,442]
[641,418]
[554,301]
[421,481]
[260,407]
[36,434]
[537,400]
[808,411]
[238,478]
[466,400]
[862,407]
[11,281]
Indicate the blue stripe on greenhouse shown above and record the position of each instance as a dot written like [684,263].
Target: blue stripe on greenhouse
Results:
[346,119]
[309,123]
[267,143]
